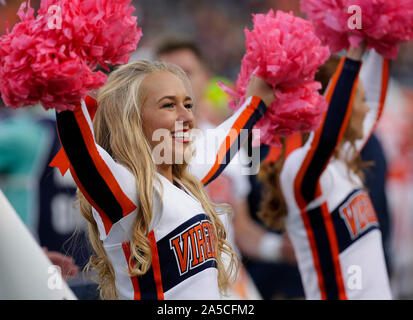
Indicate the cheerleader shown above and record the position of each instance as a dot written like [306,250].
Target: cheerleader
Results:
[155,232]
[326,210]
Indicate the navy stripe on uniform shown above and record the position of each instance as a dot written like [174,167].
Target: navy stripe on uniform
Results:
[170,272]
[338,108]
[236,145]
[84,166]
[344,239]
[324,252]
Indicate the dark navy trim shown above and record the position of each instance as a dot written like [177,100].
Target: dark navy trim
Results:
[324,253]
[236,145]
[75,148]
[344,240]
[339,106]
[343,234]
[170,272]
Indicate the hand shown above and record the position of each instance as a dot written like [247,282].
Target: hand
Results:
[258,87]
[67,264]
[355,53]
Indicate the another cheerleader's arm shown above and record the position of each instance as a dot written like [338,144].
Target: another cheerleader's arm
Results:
[375,78]
[322,143]
[102,181]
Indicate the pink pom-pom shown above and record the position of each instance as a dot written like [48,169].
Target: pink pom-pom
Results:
[49,59]
[383,23]
[284,50]
[101,31]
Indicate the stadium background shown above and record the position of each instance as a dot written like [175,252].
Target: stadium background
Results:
[217,27]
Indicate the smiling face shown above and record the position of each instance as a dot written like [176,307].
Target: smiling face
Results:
[166,114]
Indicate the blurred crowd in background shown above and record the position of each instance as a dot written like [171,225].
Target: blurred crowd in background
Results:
[217,28]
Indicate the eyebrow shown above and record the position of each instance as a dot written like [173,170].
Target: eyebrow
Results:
[173,98]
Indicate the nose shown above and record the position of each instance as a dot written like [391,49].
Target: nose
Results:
[185,115]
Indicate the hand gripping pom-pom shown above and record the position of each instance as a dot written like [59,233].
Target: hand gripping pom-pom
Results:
[284,50]
[383,23]
[50,58]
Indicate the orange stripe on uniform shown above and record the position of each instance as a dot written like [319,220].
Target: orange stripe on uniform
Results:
[126,204]
[335,251]
[233,135]
[383,94]
[334,80]
[292,143]
[299,179]
[316,258]
[135,282]
[156,267]
[274,154]
[61,161]
[384,86]
[316,139]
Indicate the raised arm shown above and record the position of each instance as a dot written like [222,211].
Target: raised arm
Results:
[107,185]
[218,146]
[322,144]
[375,78]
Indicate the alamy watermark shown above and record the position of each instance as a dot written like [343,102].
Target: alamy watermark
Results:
[355,22]
[55,20]
[355,277]
[206,148]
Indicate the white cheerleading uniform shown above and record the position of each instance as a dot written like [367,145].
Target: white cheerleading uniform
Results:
[331,220]
[231,187]
[180,233]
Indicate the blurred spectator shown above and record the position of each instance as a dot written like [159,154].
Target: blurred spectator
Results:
[216,26]
[218,29]
[395,132]
[42,198]
[275,280]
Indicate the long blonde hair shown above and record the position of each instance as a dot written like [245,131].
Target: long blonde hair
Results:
[118,129]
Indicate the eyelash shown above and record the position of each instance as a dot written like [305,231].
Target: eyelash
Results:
[170,105]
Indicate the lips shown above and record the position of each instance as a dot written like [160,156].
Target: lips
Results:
[183,136]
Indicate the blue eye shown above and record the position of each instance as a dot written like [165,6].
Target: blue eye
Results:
[189,106]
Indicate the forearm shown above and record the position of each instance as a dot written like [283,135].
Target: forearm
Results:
[375,78]
[222,143]
[327,138]
[252,239]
